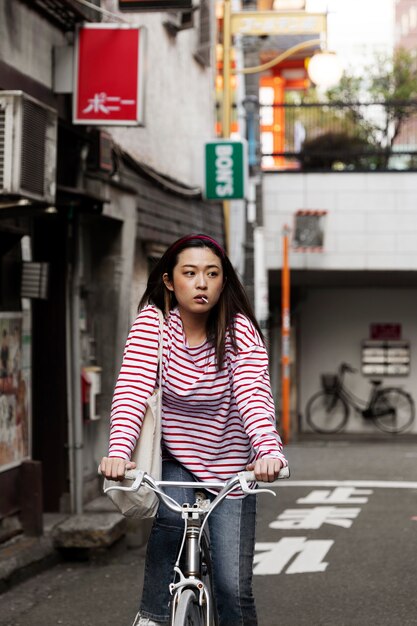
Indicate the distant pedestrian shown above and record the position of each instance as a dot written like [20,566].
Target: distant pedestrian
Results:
[218,415]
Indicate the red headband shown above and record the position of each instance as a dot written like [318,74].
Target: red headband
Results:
[201,237]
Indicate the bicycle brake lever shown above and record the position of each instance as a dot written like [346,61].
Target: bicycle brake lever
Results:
[246,489]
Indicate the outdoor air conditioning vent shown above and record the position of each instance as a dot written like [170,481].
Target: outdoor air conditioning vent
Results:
[28,136]
[179,20]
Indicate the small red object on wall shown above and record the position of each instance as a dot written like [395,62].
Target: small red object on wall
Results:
[385,331]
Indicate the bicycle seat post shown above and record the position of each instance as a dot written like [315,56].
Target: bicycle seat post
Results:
[192,548]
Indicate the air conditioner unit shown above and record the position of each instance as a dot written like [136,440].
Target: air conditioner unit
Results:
[28,139]
[179,20]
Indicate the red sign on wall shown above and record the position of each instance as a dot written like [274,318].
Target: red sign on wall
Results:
[385,331]
[109,75]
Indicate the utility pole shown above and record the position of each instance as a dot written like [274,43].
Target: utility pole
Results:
[227,99]
[285,337]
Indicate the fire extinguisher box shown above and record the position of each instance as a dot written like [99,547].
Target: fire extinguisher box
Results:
[90,388]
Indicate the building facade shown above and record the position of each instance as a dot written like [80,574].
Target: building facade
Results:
[116,199]
[354,289]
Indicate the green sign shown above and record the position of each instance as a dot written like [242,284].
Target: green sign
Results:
[226,169]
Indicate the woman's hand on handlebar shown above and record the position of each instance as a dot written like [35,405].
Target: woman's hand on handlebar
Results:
[266,469]
[114,468]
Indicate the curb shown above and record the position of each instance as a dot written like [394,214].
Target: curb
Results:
[23,557]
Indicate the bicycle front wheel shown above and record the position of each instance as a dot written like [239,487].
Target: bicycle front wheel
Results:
[394,410]
[188,612]
[326,412]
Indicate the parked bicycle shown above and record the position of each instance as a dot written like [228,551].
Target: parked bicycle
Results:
[390,408]
[192,602]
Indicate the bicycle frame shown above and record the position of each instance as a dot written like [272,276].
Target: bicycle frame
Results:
[195,517]
[192,577]
[358,404]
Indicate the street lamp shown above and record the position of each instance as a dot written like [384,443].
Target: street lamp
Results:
[324,69]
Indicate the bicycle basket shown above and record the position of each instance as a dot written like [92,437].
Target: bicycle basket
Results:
[329,382]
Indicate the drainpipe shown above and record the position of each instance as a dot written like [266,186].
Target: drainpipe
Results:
[285,338]
[74,370]
[260,280]
[68,350]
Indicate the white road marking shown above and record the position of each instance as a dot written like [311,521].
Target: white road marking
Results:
[339,495]
[370,484]
[299,554]
[272,558]
[311,519]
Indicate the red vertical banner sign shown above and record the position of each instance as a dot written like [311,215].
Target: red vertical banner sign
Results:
[109,75]
[285,335]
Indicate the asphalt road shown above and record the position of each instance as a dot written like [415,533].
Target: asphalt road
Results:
[328,553]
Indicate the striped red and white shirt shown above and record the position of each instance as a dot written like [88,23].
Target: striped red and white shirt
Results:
[214,422]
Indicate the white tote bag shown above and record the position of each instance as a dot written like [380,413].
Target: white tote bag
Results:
[146,455]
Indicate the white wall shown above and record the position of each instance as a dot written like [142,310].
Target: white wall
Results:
[26,41]
[332,324]
[179,105]
[179,102]
[371,222]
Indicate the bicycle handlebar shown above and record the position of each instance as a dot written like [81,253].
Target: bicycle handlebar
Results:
[241,479]
[248,476]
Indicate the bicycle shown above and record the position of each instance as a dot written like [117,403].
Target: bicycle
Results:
[192,600]
[390,408]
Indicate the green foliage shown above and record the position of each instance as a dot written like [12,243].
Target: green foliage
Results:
[388,78]
[336,151]
[394,78]
[367,113]
[347,91]
[392,81]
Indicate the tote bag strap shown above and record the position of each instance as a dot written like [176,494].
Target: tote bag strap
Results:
[160,353]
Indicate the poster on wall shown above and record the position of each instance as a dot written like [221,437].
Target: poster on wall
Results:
[14,391]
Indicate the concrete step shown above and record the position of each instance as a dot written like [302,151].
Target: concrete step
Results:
[137,530]
[89,530]
[99,505]
[24,556]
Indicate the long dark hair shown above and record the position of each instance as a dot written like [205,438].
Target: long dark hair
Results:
[233,298]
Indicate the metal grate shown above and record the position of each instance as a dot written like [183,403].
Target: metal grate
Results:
[32,176]
[341,136]
[35,280]
[2,144]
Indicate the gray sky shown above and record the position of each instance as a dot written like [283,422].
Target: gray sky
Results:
[357,28]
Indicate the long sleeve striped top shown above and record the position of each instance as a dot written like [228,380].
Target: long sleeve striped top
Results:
[214,422]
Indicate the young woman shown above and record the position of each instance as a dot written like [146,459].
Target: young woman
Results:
[218,415]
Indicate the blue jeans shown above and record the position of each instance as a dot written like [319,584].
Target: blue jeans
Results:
[232,542]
